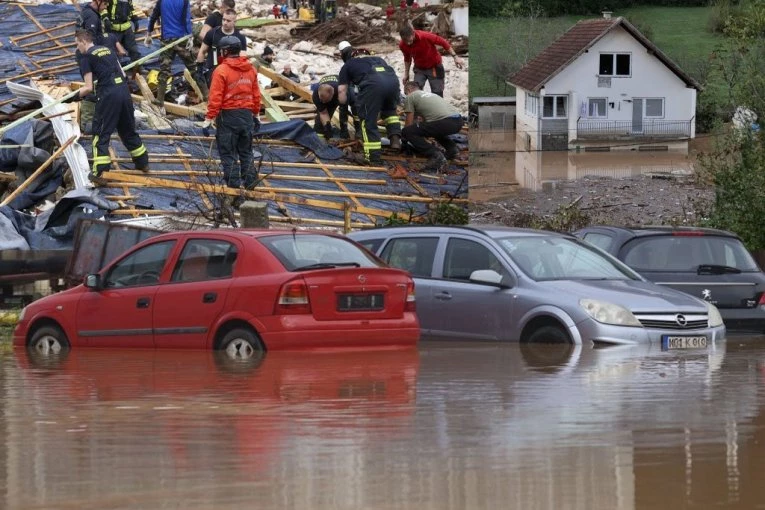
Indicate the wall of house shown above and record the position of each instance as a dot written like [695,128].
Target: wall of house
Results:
[496,117]
[650,78]
[526,126]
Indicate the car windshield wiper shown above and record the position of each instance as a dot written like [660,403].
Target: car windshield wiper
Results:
[716,269]
[326,265]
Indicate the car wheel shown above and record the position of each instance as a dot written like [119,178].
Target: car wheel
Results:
[241,344]
[546,357]
[49,340]
[549,335]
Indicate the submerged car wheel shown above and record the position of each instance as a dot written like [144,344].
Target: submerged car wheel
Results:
[49,340]
[241,344]
[549,335]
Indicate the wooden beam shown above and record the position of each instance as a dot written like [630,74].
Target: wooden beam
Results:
[273,111]
[176,109]
[284,177]
[156,119]
[15,40]
[170,158]
[37,172]
[286,83]
[340,185]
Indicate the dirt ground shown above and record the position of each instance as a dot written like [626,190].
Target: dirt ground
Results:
[639,200]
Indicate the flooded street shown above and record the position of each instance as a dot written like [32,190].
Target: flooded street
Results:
[451,425]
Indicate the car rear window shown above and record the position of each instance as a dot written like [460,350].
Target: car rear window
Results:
[686,253]
[300,251]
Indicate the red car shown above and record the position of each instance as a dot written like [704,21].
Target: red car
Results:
[242,291]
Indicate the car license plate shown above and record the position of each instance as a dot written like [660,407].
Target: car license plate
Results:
[360,302]
[670,342]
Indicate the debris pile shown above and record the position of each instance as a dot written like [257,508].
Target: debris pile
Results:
[353,30]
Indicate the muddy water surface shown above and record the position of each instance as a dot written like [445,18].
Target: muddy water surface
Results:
[451,425]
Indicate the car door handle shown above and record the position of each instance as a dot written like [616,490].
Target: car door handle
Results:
[142,302]
[209,297]
[443,296]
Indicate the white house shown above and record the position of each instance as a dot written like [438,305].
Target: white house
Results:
[602,86]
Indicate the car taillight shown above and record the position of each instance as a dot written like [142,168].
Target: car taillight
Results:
[688,233]
[411,303]
[762,300]
[293,298]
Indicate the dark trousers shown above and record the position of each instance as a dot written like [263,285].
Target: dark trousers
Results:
[234,136]
[435,76]
[127,39]
[416,133]
[114,110]
[378,97]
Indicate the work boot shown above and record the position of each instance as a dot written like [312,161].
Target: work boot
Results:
[160,101]
[395,142]
[97,180]
[436,162]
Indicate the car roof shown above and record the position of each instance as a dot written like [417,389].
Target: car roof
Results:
[493,231]
[654,230]
[241,233]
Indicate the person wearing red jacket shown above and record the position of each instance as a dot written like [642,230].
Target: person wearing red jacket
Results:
[234,105]
[420,47]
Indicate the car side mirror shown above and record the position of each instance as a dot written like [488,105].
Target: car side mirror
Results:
[93,281]
[488,276]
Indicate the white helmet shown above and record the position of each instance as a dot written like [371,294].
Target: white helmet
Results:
[343,45]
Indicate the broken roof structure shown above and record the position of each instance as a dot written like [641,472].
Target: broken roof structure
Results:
[304,180]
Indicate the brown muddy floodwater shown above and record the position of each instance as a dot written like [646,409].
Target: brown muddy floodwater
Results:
[448,426]
[497,170]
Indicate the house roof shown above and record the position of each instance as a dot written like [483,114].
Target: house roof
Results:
[579,38]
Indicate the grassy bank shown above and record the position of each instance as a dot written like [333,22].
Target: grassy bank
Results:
[680,32]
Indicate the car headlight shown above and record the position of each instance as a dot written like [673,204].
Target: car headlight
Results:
[608,313]
[715,319]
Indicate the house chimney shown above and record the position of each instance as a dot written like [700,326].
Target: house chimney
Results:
[607,14]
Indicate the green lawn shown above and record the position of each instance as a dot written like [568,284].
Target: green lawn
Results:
[680,32]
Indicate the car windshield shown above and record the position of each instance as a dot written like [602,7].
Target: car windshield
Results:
[316,251]
[678,254]
[560,258]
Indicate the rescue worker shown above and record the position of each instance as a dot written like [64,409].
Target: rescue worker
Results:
[121,19]
[208,60]
[215,18]
[267,58]
[378,95]
[90,20]
[325,98]
[114,107]
[419,47]
[234,106]
[175,16]
[440,119]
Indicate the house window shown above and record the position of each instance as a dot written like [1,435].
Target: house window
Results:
[532,104]
[596,107]
[654,107]
[555,107]
[615,64]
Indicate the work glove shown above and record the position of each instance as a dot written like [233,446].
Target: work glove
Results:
[147,40]
[107,24]
[135,23]
[344,134]
[255,123]
[73,99]
[190,44]
[206,125]
[327,128]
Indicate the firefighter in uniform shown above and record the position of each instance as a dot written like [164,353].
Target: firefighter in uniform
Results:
[114,106]
[90,20]
[234,105]
[325,98]
[120,19]
[378,96]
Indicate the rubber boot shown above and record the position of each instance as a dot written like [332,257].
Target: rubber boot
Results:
[395,142]
[160,101]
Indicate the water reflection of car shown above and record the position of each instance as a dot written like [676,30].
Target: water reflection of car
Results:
[710,264]
[199,407]
[241,291]
[499,283]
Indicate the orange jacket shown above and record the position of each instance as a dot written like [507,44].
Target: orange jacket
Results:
[234,86]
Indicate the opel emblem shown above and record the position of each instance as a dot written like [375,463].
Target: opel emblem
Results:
[362,279]
[681,320]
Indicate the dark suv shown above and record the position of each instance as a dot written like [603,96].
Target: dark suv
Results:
[707,263]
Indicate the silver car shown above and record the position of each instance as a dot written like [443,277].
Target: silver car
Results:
[499,283]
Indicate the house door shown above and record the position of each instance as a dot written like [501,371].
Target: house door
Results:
[637,115]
